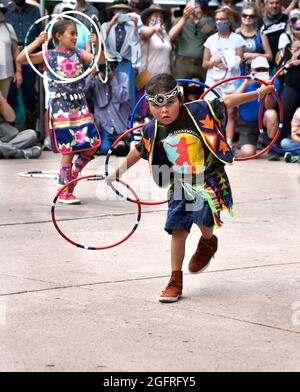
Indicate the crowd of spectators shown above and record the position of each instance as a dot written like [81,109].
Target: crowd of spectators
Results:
[209,41]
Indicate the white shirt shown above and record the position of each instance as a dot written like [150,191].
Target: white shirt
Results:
[156,55]
[131,48]
[7,34]
[219,47]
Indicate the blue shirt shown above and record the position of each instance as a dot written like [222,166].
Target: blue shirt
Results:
[111,102]
[21,21]
[249,111]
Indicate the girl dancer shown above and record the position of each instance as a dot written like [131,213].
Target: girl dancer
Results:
[72,126]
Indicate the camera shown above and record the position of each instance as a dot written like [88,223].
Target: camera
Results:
[124,17]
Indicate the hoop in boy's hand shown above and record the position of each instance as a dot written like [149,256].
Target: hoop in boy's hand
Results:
[260,114]
[88,247]
[136,201]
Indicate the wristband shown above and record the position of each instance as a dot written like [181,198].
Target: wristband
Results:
[258,94]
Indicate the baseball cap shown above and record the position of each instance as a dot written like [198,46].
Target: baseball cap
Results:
[294,14]
[259,62]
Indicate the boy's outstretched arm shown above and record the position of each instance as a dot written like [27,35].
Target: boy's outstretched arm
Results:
[233,100]
[132,158]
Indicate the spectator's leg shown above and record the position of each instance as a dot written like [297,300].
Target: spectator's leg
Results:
[248,133]
[25,139]
[4,87]
[288,144]
[290,100]
[7,150]
[247,150]
[270,122]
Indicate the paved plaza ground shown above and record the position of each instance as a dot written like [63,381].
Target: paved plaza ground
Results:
[67,309]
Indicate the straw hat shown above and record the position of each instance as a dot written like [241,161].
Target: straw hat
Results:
[120,5]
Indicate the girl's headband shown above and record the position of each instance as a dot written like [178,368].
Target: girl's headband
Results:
[162,98]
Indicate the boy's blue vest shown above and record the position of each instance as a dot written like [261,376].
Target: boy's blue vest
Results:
[202,117]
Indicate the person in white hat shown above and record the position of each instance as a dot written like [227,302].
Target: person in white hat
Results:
[247,124]
[287,37]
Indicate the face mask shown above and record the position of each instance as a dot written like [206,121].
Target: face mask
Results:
[262,75]
[20,3]
[222,26]
[155,22]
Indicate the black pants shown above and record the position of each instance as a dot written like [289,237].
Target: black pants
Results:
[290,99]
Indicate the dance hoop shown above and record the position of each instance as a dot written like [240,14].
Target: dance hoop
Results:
[39,174]
[55,17]
[52,174]
[136,200]
[62,79]
[267,148]
[88,247]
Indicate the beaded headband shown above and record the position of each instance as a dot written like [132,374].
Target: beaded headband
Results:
[162,98]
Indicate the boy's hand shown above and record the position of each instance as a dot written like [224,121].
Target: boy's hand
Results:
[111,177]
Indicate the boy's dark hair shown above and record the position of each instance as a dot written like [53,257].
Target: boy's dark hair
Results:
[60,27]
[160,83]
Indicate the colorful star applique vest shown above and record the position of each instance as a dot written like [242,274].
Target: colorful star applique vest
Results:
[200,113]
[216,189]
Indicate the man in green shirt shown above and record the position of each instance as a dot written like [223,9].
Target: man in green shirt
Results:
[190,32]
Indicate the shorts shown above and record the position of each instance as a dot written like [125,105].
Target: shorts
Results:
[183,212]
[248,132]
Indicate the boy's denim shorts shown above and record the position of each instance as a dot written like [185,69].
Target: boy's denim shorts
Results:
[184,212]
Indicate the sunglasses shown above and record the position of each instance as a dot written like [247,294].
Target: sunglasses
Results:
[248,16]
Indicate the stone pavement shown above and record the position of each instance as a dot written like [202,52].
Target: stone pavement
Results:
[67,309]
